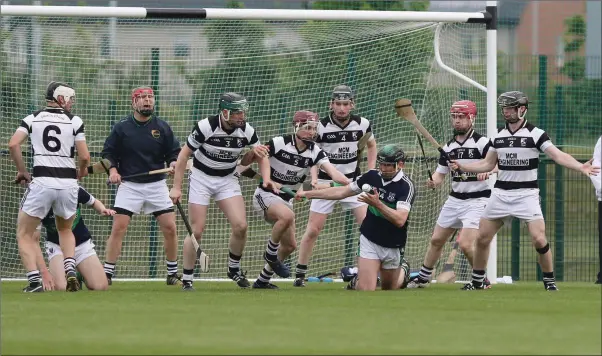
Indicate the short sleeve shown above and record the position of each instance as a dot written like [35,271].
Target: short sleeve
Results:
[320,158]
[254,140]
[272,148]
[366,178]
[406,197]
[485,148]
[196,137]
[83,197]
[492,146]
[78,128]
[543,142]
[25,126]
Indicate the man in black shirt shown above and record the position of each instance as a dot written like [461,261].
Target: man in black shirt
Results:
[139,143]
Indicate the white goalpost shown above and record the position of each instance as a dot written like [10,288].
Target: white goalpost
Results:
[282,61]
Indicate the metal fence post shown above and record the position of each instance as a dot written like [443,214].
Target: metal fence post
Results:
[559,191]
[542,93]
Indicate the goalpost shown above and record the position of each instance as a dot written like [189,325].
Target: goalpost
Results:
[282,61]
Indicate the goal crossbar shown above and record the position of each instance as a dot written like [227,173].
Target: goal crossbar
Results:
[243,14]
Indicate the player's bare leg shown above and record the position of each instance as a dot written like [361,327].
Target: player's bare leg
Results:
[93,273]
[26,227]
[167,224]
[234,209]
[433,253]
[57,270]
[315,224]
[279,246]
[467,243]
[367,274]
[67,243]
[198,220]
[537,229]
[389,278]
[114,243]
[487,229]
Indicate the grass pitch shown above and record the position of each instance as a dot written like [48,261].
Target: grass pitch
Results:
[151,318]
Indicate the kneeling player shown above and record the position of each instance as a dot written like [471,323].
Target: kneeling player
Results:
[385,228]
[291,157]
[86,260]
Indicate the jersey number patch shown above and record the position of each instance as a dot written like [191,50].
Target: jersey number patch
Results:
[47,139]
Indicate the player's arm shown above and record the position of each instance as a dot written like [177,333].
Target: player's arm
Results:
[47,280]
[257,152]
[566,160]
[180,167]
[172,148]
[111,151]
[14,147]
[313,173]
[337,193]
[439,174]
[482,166]
[372,151]
[336,176]
[83,154]
[398,215]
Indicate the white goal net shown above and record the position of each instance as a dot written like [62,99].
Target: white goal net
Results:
[280,66]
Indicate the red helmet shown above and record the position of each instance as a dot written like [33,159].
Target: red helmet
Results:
[465,107]
[303,117]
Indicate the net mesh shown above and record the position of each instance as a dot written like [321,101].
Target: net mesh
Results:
[279,66]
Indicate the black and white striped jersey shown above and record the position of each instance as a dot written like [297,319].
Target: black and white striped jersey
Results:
[518,156]
[288,165]
[340,143]
[53,132]
[473,149]
[216,150]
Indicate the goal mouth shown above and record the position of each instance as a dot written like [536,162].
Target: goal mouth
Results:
[280,63]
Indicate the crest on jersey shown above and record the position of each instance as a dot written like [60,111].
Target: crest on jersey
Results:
[156,133]
[391,196]
[239,142]
[523,141]
[354,135]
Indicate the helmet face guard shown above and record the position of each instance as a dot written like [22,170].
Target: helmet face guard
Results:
[234,108]
[342,94]
[513,100]
[463,109]
[305,125]
[389,159]
[142,93]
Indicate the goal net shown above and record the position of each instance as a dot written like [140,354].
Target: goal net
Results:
[280,66]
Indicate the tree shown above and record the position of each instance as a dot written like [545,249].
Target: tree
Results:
[574,38]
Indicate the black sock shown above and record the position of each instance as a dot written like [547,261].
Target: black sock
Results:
[266,274]
[548,277]
[301,271]
[172,267]
[109,269]
[233,262]
[478,276]
[69,264]
[425,274]
[271,251]
[187,275]
[33,277]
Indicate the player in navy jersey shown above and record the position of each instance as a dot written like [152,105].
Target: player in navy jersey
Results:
[86,260]
[467,200]
[139,143]
[55,134]
[291,158]
[338,136]
[217,143]
[384,231]
[515,149]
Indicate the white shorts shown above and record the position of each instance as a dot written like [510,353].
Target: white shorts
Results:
[38,200]
[203,187]
[390,258]
[147,198]
[82,251]
[262,200]
[523,205]
[323,206]
[461,214]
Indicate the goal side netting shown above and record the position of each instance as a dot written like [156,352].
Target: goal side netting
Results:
[280,66]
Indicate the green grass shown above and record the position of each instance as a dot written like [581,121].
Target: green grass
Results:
[151,318]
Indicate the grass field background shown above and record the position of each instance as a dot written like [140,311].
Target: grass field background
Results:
[150,318]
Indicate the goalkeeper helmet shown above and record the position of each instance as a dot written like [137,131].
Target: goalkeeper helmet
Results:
[233,108]
[342,92]
[306,125]
[514,105]
[459,112]
[56,89]
[145,106]
[390,160]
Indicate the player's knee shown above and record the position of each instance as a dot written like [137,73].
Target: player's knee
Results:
[466,245]
[542,247]
[311,232]
[169,230]
[60,285]
[438,242]
[239,228]
[98,285]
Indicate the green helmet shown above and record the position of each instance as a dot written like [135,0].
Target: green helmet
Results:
[233,102]
[391,153]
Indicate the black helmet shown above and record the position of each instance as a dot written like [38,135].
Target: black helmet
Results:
[51,93]
[234,102]
[391,153]
[342,92]
[513,99]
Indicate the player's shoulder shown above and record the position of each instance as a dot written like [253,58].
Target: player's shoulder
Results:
[325,120]
[479,139]
[533,129]
[448,144]
[161,123]
[359,119]
[282,140]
